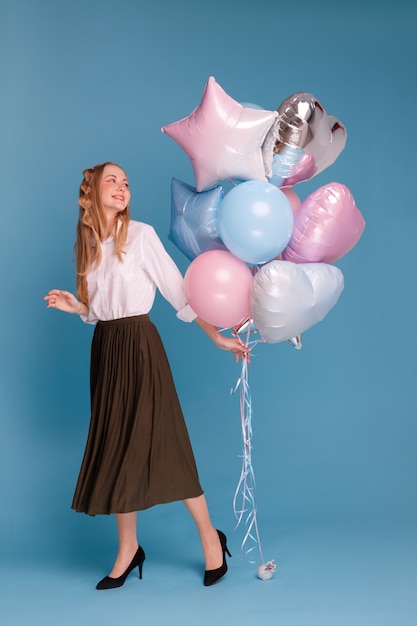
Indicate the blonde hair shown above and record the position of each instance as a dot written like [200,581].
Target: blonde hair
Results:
[91,227]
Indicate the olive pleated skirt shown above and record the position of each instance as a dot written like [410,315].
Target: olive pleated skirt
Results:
[138,451]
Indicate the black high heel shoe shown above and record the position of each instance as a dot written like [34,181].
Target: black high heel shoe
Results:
[111,583]
[211,576]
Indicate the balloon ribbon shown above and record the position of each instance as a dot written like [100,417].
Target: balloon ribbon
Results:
[244,505]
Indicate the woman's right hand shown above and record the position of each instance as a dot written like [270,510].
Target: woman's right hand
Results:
[65,301]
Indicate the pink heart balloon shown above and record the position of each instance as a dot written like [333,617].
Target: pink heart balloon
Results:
[327,225]
[222,138]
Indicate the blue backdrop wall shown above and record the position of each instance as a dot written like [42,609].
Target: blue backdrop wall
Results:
[93,80]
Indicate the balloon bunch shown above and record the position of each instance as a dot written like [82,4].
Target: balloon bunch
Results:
[257,252]
[261,259]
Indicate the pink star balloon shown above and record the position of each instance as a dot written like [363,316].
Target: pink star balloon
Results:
[222,138]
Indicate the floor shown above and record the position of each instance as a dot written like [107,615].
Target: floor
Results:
[327,575]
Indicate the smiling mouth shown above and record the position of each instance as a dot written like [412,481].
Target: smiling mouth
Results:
[119,198]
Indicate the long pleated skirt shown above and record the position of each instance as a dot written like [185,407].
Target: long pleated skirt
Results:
[138,451]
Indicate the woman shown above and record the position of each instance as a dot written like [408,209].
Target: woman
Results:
[138,453]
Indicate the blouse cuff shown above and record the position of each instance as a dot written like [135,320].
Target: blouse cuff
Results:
[186,314]
[87,320]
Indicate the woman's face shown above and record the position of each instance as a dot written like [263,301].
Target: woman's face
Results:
[114,190]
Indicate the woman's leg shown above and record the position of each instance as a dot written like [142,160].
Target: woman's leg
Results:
[209,538]
[128,543]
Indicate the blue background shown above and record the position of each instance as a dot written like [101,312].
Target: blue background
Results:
[334,424]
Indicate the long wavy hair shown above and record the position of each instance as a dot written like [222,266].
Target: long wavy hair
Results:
[91,227]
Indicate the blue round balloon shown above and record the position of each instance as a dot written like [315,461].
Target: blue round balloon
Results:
[255,221]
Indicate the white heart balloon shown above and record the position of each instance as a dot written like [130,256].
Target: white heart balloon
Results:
[288,298]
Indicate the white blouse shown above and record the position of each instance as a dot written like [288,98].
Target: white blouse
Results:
[125,288]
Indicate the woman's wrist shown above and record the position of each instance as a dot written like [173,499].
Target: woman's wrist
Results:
[82,309]
[210,330]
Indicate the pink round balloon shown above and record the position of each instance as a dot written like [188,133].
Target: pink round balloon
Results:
[293,198]
[328,224]
[303,170]
[218,288]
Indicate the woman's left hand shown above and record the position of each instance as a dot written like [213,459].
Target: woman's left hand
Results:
[235,345]
[239,349]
